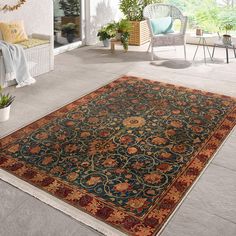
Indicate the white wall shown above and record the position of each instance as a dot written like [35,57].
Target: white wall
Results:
[98,13]
[37,15]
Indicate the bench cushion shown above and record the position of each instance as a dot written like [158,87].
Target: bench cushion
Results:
[31,42]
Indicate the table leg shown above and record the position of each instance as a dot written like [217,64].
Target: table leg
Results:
[196,49]
[112,47]
[213,52]
[227,54]
[208,51]
[204,49]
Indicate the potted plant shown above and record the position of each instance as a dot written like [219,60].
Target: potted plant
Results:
[5,105]
[69,30]
[71,9]
[106,33]
[123,32]
[227,19]
[133,12]
[227,37]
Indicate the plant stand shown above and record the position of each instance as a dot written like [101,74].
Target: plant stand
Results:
[113,43]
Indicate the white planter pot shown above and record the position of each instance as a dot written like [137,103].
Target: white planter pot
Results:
[106,43]
[5,113]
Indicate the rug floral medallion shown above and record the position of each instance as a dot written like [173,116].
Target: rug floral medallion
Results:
[126,153]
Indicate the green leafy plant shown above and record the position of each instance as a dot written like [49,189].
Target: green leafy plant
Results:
[69,28]
[108,31]
[123,26]
[112,29]
[70,7]
[5,99]
[227,20]
[133,9]
[125,40]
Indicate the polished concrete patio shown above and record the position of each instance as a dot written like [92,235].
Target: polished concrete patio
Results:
[210,208]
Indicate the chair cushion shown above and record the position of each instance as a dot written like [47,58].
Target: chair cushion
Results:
[31,42]
[13,32]
[162,25]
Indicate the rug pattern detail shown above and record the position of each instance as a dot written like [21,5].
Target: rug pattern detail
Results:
[126,153]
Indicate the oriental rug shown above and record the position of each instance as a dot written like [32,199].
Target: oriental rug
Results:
[125,154]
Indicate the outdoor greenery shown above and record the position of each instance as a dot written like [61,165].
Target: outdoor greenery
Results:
[210,15]
[133,9]
[5,99]
[70,7]
[69,28]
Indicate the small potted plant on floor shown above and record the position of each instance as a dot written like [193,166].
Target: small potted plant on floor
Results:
[106,33]
[69,30]
[5,105]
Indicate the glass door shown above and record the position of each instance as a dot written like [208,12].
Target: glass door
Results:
[67,22]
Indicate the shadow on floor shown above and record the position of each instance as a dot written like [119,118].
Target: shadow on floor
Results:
[101,55]
[173,64]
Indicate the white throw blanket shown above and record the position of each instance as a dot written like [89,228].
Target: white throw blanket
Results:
[15,64]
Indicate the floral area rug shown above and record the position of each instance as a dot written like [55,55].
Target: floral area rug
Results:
[126,153]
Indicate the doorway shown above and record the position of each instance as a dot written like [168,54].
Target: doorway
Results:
[67,25]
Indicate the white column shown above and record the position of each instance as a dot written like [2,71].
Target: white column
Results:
[99,13]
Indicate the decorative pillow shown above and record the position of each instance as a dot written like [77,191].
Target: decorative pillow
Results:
[162,25]
[13,32]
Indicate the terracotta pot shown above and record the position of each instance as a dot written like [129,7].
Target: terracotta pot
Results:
[199,32]
[5,113]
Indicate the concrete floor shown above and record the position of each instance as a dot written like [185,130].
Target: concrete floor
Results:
[210,208]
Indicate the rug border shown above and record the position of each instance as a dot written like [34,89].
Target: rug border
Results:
[195,182]
[70,210]
[82,217]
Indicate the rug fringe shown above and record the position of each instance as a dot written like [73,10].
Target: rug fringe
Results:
[52,201]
